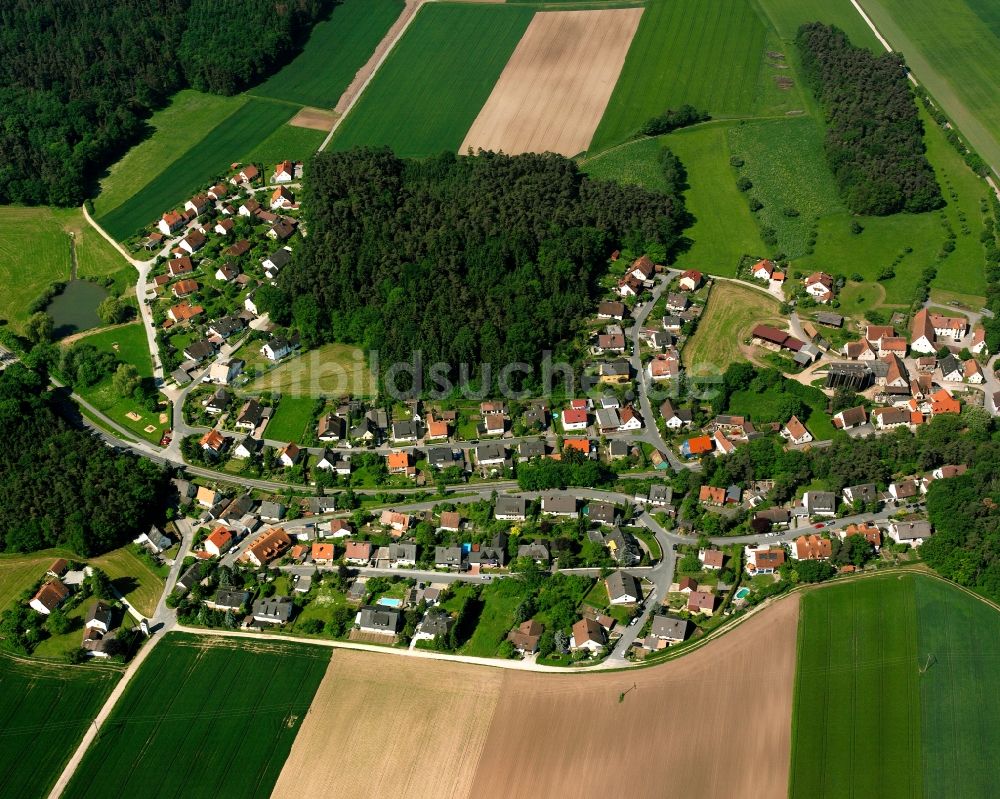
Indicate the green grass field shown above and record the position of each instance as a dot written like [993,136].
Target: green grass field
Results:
[35,251]
[44,711]
[732,312]
[176,129]
[787,15]
[431,87]
[290,420]
[288,141]
[333,369]
[204,718]
[137,582]
[337,48]
[127,343]
[767,407]
[785,161]
[856,724]
[21,571]
[708,54]
[232,139]
[953,47]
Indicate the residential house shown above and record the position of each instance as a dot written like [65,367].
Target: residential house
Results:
[403,555]
[972,372]
[184,311]
[643,269]
[213,442]
[451,520]
[622,547]
[795,432]
[224,371]
[284,172]
[525,636]
[623,588]
[866,530]
[949,470]
[404,431]
[333,461]
[711,559]
[225,326]
[289,454]
[250,416]
[574,419]
[282,198]
[358,553]
[859,350]
[819,285]
[903,489]
[690,280]
[603,513]
[395,520]
[865,493]
[207,497]
[273,610]
[331,427]
[510,509]
[170,222]
[611,310]
[712,495]
[888,418]
[614,372]
[559,505]
[820,503]
[978,345]
[675,418]
[50,596]
[277,348]
[701,602]
[922,335]
[218,542]
[401,462]
[763,559]
[491,455]
[762,270]
[913,533]
[271,511]
[851,418]
[666,630]
[773,516]
[192,242]
[537,551]
[448,557]
[267,547]
[587,634]
[811,547]
[229,598]
[678,302]
[953,327]
[275,262]
[323,553]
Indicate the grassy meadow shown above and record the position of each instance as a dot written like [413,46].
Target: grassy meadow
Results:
[732,312]
[137,582]
[204,717]
[44,711]
[787,15]
[707,54]
[290,420]
[337,48]
[434,82]
[332,369]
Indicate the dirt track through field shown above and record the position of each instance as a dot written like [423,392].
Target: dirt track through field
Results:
[714,723]
[553,91]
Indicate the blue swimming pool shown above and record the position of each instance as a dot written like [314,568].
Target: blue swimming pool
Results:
[742,593]
[390,602]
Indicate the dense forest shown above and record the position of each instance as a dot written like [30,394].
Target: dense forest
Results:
[874,137]
[78,80]
[62,487]
[468,260]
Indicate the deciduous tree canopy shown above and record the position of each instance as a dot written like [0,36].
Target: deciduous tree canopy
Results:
[485,259]
[63,487]
[874,137]
[78,79]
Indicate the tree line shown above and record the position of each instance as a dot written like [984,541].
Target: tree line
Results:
[78,80]
[478,260]
[874,137]
[62,486]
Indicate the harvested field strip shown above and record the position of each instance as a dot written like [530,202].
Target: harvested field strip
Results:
[336,50]
[44,711]
[231,140]
[553,91]
[228,714]
[706,53]
[426,95]
[404,719]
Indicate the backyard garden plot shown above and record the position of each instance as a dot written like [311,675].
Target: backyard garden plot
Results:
[204,717]
[553,91]
[44,711]
[707,53]
[428,92]
[164,184]
[337,48]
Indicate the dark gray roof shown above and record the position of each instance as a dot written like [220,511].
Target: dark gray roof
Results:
[558,503]
[275,608]
[623,584]
[379,617]
[449,556]
[531,449]
[669,628]
[280,257]
[230,598]
[535,551]
[510,506]
[603,512]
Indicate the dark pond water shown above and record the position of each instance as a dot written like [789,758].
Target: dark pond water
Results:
[76,308]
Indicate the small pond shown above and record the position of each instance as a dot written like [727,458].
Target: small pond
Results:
[76,308]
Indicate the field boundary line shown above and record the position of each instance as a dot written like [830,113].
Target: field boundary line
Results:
[394,34]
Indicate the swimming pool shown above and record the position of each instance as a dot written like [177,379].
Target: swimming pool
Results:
[390,602]
[742,593]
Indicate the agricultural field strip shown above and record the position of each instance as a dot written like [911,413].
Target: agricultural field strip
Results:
[556,85]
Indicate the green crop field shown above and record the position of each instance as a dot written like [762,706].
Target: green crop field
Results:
[957,641]
[290,420]
[204,717]
[337,48]
[287,142]
[893,692]
[953,47]
[175,129]
[709,54]
[787,15]
[856,724]
[230,140]
[44,711]
[430,89]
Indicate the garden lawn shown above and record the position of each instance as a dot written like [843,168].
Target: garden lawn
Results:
[290,420]
[856,723]
[134,579]
[104,397]
[732,312]
[337,48]
[232,139]
[127,343]
[500,599]
[175,129]
[708,54]
[178,729]
[953,48]
[333,369]
[44,711]
[429,91]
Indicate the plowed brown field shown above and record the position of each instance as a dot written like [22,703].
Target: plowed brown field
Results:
[713,723]
[553,91]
